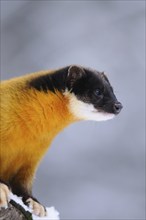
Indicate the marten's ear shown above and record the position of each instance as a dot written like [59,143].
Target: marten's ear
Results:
[74,73]
[104,77]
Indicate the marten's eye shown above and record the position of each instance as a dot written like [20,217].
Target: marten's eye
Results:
[97,92]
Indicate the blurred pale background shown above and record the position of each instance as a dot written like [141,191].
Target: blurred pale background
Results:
[92,170]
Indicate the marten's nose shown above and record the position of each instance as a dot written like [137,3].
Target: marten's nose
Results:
[117,107]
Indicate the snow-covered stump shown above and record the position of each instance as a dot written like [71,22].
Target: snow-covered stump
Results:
[18,210]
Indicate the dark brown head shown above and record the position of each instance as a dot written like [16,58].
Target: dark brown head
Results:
[91,94]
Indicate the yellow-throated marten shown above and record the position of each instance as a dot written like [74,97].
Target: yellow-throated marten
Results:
[34,108]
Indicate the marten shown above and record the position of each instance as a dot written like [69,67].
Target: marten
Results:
[34,108]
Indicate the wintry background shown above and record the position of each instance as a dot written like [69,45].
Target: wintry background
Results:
[92,170]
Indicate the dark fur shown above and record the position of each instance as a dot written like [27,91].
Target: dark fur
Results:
[50,82]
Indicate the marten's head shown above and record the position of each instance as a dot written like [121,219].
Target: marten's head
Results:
[89,92]
[91,97]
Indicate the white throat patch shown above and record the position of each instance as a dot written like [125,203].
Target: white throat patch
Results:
[85,111]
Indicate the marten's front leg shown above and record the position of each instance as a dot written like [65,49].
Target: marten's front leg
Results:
[21,185]
[28,199]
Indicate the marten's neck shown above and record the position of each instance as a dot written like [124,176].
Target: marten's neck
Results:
[47,113]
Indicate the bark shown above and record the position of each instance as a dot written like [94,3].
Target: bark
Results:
[14,211]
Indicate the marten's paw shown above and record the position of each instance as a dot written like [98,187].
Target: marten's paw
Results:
[4,195]
[37,208]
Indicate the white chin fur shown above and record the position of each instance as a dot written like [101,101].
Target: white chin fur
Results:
[85,111]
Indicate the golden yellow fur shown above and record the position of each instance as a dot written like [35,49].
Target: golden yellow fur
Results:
[29,120]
